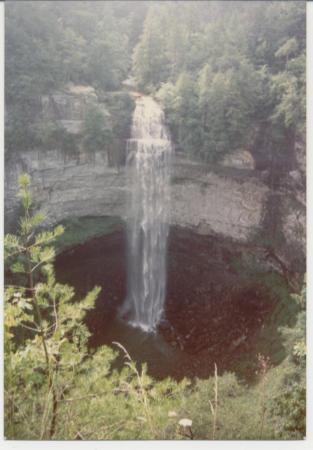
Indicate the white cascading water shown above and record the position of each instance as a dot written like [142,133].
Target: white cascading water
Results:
[148,169]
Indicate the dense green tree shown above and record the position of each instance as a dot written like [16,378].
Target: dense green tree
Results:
[45,339]
[97,130]
[150,63]
[289,90]
[186,112]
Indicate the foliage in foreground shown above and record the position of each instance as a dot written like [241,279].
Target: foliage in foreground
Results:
[56,389]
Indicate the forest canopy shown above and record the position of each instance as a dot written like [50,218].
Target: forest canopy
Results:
[226,72]
[225,69]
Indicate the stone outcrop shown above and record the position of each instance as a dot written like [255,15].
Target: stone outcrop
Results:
[68,109]
[66,187]
[241,159]
[228,203]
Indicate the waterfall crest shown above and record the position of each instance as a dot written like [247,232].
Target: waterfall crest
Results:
[148,169]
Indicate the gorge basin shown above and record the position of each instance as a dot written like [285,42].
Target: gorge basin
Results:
[217,308]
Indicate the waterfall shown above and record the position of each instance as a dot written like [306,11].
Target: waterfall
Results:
[148,172]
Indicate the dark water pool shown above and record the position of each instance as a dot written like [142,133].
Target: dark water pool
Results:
[213,312]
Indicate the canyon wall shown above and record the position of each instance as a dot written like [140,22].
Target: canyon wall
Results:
[206,201]
[232,199]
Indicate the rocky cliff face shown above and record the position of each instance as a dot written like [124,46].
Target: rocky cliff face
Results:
[68,109]
[65,187]
[232,200]
[206,201]
[217,201]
